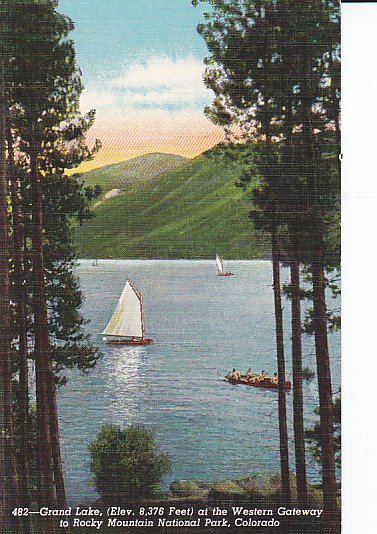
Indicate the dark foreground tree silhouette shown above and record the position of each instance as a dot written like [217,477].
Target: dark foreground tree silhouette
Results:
[45,135]
[8,477]
[273,68]
[241,38]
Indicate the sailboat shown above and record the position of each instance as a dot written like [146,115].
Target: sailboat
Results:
[220,267]
[126,326]
[95,263]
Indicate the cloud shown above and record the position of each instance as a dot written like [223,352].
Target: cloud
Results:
[162,71]
[161,80]
[97,99]
[154,105]
[158,82]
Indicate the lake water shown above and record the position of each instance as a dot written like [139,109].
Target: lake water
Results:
[202,326]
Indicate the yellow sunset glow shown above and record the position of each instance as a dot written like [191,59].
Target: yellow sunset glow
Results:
[187,134]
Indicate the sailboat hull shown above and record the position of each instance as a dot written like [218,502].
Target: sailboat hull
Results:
[225,274]
[145,341]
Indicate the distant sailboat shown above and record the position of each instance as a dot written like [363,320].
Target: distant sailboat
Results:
[126,326]
[95,263]
[220,267]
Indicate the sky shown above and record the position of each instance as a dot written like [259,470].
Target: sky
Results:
[142,65]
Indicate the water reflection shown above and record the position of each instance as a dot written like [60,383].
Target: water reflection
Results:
[124,368]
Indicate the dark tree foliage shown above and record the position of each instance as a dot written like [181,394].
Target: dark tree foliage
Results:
[66,202]
[45,137]
[274,69]
[46,86]
[313,435]
[126,464]
[8,475]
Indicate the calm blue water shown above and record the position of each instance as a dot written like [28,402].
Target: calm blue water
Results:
[202,326]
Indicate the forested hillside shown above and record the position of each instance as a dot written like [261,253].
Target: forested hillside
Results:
[192,211]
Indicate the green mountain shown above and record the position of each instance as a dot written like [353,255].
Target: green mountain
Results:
[144,167]
[192,210]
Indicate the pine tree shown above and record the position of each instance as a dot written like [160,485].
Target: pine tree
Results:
[20,298]
[44,90]
[8,468]
[244,77]
[318,146]
[274,71]
[5,347]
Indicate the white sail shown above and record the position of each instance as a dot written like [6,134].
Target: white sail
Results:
[219,264]
[127,319]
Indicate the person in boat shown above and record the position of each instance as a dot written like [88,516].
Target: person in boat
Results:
[250,374]
[256,378]
[234,375]
[274,379]
[261,377]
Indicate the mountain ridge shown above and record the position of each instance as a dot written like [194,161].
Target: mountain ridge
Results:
[116,175]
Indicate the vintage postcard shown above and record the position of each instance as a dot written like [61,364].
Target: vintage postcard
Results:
[170,266]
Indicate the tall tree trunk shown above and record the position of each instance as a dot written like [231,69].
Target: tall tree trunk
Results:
[56,453]
[21,302]
[42,347]
[331,521]
[298,404]
[279,331]
[282,404]
[330,506]
[41,344]
[8,473]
